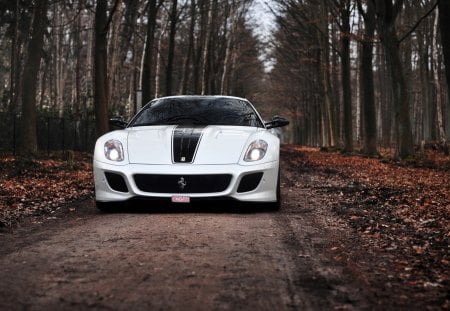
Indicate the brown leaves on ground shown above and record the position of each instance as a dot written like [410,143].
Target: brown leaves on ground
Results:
[39,187]
[400,211]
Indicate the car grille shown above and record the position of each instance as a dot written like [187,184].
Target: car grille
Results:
[182,183]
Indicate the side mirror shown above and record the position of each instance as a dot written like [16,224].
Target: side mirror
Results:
[118,122]
[277,121]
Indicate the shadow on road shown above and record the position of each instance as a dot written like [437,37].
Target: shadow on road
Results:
[164,207]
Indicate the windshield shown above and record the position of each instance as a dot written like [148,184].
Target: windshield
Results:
[197,111]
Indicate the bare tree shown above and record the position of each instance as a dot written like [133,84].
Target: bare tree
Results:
[368,92]
[15,53]
[100,67]
[28,136]
[444,23]
[206,48]
[173,16]
[344,7]
[152,12]
[437,81]
[190,48]
[328,109]
[387,12]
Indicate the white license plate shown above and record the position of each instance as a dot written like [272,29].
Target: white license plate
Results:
[180,199]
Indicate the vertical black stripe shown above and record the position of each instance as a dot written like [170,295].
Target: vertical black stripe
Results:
[185,140]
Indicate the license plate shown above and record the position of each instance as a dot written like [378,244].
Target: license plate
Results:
[180,199]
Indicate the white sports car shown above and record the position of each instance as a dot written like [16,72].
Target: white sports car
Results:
[188,148]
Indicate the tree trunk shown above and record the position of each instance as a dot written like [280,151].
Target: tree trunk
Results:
[368,92]
[437,82]
[189,56]
[114,58]
[158,58]
[346,78]
[170,56]
[328,110]
[228,49]
[387,14]
[424,72]
[100,68]
[206,52]
[444,23]
[28,135]
[61,69]
[147,93]
[13,89]
[78,65]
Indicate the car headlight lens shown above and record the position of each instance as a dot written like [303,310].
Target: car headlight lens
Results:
[256,151]
[114,150]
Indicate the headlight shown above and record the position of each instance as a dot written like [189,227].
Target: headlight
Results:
[256,151]
[114,150]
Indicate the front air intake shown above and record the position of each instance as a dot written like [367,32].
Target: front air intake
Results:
[249,182]
[116,182]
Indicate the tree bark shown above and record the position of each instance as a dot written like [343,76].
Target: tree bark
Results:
[228,49]
[346,77]
[158,58]
[387,15]
[206,52]
[100,68]
[427,106]
[170,56]
[437,81]
[28,135]
[13,89]
[115,57]
[147,92]
[444,24]
[78,64]
[367,81]
[189,56]
[328,109]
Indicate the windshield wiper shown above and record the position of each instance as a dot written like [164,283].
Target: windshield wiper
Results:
[144,124]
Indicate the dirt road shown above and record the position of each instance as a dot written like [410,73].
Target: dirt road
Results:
[202,257]
[190,260]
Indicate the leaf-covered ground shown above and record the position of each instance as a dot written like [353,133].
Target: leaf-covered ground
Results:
[400,212]
[41,187]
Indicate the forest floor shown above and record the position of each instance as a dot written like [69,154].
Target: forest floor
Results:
[400,214]
[397,213]
[33,190]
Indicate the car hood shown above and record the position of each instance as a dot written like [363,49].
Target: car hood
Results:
[188,144]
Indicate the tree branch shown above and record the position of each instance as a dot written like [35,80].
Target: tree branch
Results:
[111,14]
[418,22]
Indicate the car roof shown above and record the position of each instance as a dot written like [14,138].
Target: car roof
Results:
[201,96]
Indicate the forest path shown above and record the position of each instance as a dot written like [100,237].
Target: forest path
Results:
[184,258]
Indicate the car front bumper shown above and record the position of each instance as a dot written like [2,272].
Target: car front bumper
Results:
[263,191]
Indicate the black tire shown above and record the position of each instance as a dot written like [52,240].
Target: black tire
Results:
[105,206]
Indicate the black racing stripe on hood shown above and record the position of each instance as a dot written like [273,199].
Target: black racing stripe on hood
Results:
[185,141]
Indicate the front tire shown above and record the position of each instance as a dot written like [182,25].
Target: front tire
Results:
[105,206]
